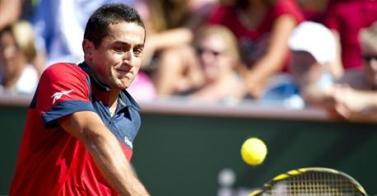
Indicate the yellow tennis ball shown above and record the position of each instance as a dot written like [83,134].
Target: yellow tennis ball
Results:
[253,151]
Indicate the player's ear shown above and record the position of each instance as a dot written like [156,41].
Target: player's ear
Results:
[88,47]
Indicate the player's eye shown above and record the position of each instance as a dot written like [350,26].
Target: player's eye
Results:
[138,51]
[118,49]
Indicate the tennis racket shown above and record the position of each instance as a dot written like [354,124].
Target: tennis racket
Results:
[311,181]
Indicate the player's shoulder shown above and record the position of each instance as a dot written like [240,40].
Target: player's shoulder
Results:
[63,67]
[62,70]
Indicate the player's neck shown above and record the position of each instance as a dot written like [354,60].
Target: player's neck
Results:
[113,100]
[107,96]
[113,97]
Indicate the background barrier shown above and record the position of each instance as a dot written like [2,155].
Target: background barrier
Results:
[182,148]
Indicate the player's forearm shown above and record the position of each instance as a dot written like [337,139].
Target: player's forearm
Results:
[110,160]
[105,150]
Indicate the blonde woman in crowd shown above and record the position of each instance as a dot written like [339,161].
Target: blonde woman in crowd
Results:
[219,59]
[17,52]
[170,26]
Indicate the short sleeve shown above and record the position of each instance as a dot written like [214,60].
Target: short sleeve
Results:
[63,89]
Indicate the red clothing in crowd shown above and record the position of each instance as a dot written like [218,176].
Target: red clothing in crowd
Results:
[253,41]
[348,19]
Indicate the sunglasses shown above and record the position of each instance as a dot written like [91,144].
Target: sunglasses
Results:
[201,51]
[369,58]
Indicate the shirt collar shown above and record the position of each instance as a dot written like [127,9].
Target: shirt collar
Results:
[100,90]
[93,77]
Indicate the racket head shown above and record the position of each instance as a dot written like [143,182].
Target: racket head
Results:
[311,181]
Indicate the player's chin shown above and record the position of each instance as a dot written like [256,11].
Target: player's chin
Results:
[123,84]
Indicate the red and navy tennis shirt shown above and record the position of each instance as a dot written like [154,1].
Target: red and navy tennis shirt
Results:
[53,162]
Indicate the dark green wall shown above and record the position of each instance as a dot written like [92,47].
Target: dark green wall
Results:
[11,124]
[182,155]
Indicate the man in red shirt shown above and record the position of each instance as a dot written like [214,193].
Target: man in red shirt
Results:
[82,122]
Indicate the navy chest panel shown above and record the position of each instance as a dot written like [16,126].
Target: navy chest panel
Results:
[124,124]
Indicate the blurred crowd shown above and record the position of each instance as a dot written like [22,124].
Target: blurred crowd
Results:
[296,53]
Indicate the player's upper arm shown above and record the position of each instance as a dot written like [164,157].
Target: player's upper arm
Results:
[83,125]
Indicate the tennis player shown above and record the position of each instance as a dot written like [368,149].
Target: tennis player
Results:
[81,122]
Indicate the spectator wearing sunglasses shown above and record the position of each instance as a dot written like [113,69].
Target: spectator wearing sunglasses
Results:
[356,97]
[218,57]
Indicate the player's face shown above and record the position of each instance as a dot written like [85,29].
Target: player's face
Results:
[117,59]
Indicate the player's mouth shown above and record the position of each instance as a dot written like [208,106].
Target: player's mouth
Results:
[125,74]
[124,71]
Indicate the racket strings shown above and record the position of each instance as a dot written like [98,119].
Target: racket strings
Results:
[314,183]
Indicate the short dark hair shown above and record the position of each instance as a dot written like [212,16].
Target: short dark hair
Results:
[97,26]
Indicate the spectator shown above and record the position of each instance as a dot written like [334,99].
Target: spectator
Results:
[312,48]
[170,25]
[262,28]
[17,52]
[313,53]
[217,52]
[353,96]
[346,18]
[356,98]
